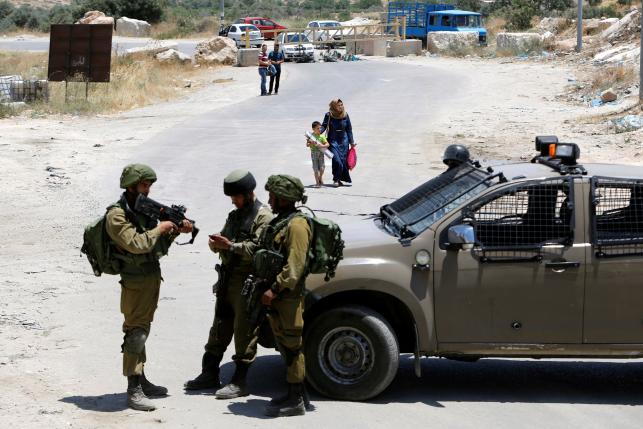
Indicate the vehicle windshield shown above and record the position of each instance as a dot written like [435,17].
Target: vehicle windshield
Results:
[249,27]
[467,21]
[298,38]
[329,24]
[413,213]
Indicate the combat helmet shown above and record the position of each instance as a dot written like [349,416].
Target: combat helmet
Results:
[136,173]
[239,182]
[287,187]
[456,154]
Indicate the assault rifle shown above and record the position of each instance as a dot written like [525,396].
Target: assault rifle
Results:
[253,290]
[158,211]
[267,264]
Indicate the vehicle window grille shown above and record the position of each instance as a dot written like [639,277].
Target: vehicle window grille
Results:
[525,217]
[417,210]
[617,216]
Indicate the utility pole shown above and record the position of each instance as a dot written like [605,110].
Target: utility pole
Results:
[641,59]
[579,27]
[222,11]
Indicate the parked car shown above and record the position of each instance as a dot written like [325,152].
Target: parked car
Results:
[237,32]
[296,47]
[268,27]
[324,31]
[533,260]
[422,19]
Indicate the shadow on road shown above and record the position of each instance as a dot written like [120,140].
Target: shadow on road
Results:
[517,381]
[108,403]
[250,408]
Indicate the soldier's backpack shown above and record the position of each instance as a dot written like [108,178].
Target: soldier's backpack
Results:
[325,251]
[326,248]
[98,248]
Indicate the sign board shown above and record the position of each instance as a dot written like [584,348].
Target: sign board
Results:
[80,52]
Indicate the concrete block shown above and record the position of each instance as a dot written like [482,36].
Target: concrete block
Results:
[441,41]
[375,47]
[248,57]
[395,48]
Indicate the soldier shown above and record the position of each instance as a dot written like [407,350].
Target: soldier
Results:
[235,246]
[455,155]
[290,235]
[140,242]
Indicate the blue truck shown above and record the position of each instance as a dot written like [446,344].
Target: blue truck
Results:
[423,18]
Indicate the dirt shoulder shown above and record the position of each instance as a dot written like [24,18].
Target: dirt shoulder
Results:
[508,101]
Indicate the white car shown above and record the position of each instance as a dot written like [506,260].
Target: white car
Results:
[237,32]
[324,30]
[296,46]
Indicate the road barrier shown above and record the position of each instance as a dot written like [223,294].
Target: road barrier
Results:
[342,34]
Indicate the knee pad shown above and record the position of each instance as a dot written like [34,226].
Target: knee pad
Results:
[134,341]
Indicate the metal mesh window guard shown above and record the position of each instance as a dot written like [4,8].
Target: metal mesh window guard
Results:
[617,218]
[525,218]
[417,210]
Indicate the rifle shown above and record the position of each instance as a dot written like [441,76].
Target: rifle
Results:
[267,264]
[253,289]
[158,211]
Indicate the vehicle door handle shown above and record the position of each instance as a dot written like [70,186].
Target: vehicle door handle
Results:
[562,265]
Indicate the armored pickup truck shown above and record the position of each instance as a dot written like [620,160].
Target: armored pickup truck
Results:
[542,259]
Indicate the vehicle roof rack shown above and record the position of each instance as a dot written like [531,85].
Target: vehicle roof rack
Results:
[559,156]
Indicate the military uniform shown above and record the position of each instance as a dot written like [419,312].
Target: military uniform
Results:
[140,245]
[236,264]
[290,235]
[241,232]
[287,315]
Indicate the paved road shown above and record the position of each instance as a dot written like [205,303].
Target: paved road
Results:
[120,44]
[391,106]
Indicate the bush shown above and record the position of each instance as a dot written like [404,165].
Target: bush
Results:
[520,14]
[61,15]
[6,9]
[147,10]
[598,12]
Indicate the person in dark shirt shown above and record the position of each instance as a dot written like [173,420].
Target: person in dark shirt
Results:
[276,58]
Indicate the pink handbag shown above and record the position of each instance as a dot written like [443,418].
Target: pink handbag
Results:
[351,159]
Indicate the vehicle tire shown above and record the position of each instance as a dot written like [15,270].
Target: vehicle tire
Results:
[351,353]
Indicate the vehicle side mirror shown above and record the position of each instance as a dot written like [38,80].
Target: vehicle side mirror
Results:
[462,236]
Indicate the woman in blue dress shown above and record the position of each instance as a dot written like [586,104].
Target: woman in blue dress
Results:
[340,137]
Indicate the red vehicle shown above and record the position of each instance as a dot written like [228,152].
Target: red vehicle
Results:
[268,27]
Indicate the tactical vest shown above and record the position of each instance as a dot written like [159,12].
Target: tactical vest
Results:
[270,260]
[138,265]
[239,227]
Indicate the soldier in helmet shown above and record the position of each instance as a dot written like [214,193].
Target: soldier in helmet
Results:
[291,235]
[139,242]
[455,155]
[235,245]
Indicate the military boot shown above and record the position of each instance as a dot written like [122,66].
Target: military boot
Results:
[237,386]
[136,398]
[150,389]
[209,377]
[293,405]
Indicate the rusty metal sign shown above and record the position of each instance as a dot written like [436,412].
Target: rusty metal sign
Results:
[80,53]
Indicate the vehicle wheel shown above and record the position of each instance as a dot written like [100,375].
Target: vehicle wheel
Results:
[351,353]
